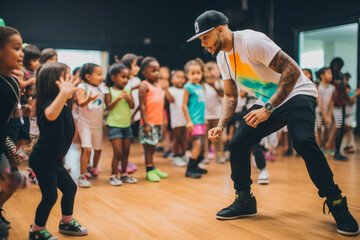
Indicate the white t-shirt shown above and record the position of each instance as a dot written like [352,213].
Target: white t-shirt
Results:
[91,116]
[253,54]
[326,94]
[135,94]
[212,102]
[241,101]
[177,117]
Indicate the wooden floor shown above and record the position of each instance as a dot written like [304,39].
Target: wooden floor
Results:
[182,208]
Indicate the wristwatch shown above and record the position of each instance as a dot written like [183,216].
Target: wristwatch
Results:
[269,107]
[221,127]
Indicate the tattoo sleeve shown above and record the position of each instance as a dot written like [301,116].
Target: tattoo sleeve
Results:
[290,73]
[229,103]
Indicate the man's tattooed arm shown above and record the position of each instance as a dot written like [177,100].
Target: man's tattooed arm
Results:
[290,73]
[229,103]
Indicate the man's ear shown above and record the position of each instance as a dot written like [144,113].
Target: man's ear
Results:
[220,29]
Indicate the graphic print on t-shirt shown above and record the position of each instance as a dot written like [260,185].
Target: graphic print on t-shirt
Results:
[95,105]
[200,94]
[251,82]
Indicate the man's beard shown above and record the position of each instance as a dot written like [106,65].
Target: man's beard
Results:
[218,46]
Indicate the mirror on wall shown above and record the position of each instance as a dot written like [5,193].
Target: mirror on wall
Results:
[319,46]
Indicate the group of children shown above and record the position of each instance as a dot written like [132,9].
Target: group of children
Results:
[186,115]
[56,105]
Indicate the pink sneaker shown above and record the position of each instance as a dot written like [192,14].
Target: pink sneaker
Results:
[130,168]
[269,156]
[94,172]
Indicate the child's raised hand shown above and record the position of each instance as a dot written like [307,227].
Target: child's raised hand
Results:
[67,85]
[116,59]
[91,97]
[164,84]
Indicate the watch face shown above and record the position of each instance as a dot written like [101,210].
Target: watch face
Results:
[268,106]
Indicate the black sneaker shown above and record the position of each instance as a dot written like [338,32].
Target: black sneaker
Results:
[340,157]
[201,170]
[166,153]
[72,228]
[346,224]
[40,235]
[192,174]
[243,206]
[196,166]
[3,221]
[159,149]
[191,171]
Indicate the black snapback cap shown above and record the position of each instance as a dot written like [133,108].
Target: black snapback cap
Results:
[207,21]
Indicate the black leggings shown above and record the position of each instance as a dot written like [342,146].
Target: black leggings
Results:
[49,182]
[298,114]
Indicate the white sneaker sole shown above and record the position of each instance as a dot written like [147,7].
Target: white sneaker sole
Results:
[115,185]
[348,233]
[263,181]
[241,216]
[180,164]
[130,182]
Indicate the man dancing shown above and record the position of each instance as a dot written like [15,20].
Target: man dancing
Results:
[286,97]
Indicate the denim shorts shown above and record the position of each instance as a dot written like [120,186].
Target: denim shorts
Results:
[116,132]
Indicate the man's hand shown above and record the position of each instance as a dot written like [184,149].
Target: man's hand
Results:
[257,116]
[215,133]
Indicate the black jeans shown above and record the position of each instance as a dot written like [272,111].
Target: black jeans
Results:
[258,151]
[49,182]
[298,114]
